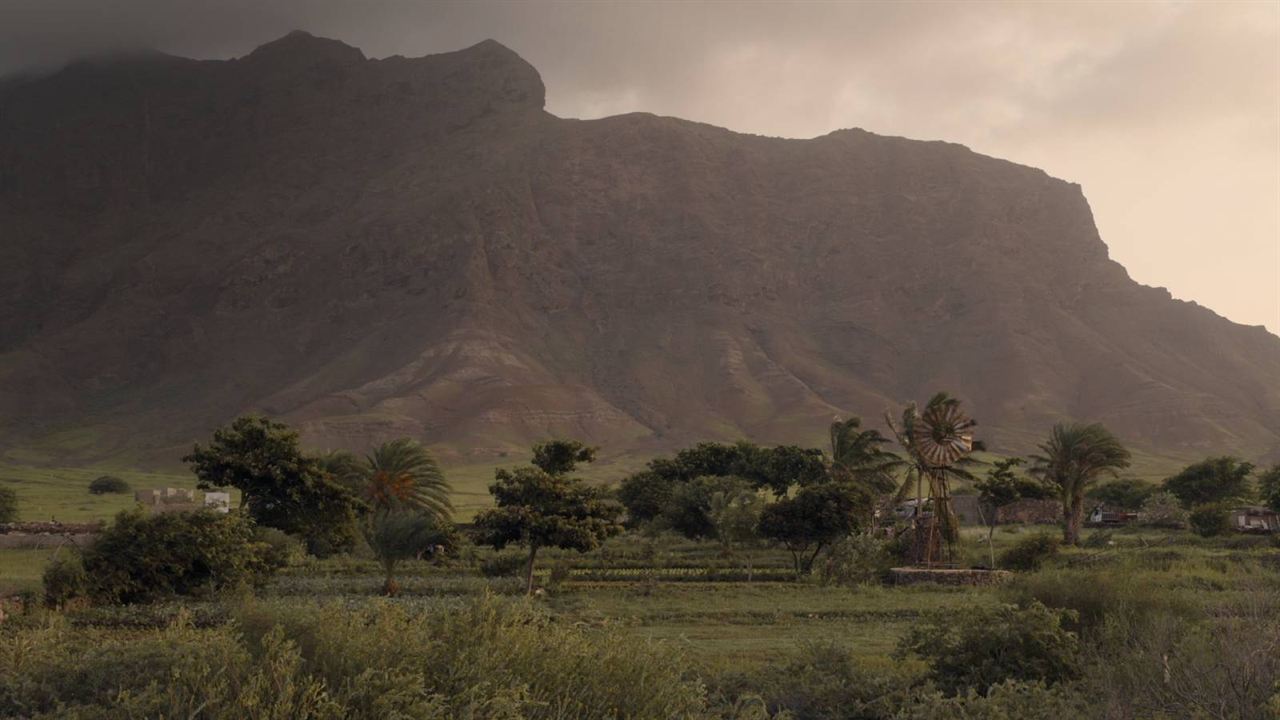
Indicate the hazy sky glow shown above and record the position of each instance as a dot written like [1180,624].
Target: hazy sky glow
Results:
[1167,114]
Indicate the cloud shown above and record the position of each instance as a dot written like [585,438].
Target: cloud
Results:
[1167,113]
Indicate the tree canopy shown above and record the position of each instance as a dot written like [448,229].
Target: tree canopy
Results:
[279,485]
[817,516]
[536,509]
[1212,480]
[1073,459]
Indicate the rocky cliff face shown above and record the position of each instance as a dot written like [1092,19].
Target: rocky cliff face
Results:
[374,248]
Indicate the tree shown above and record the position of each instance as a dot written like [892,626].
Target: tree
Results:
[108,484]
[536,509]
[1211,481]
[645,495]
[561,457]
[399,534]
[857,456]
[1269,487]
[1074,457]
[8,505]
[817,516]
[1003,487]
[1123,494]
[778,469]
[403,475]
[279,486]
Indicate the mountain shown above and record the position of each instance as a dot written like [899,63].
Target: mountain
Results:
[375,248]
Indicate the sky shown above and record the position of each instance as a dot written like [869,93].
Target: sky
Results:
[1168,114]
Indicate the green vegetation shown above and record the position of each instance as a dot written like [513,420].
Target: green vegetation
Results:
[8,505]
[1073,459]
[108,484]
[756,586]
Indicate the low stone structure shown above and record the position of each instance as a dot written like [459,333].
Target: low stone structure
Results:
[165,500]
[38,535]
[948,576]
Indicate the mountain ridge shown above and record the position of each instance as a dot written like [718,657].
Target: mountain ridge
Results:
[372,248]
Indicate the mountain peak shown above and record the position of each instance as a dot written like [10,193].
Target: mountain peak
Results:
[300,49]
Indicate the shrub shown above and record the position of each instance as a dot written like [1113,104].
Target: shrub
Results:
[856,559]
[1097,596]
[1163,510]
[8,505]
[823,681]
[1007,700]
[108,484]
[981,647]
[1030,553]
[1211,520]
[64,579]
[143,558]
[279,548]
[502,565]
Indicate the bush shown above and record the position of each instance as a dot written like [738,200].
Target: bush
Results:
[1030,553]
[855,560]
[986,646]
[1163,510]
[279,548]
[1211,520]
[8,505]
[1007,700]
[108,484]
[822,682]
[1097,596]
[64,579]
[143,558]
[503,565]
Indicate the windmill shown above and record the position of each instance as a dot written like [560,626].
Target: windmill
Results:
[937,441]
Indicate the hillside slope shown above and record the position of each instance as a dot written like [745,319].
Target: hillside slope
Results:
[374,248]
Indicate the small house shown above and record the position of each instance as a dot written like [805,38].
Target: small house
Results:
[1255,519]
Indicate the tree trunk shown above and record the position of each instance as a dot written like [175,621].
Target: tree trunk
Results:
[991,531]
[528,575]
[1073,518]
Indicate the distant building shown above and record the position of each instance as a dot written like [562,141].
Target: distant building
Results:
[218,501]
[165,500]
[1103,516]
[1255,519]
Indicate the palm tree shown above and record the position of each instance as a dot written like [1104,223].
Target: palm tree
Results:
[1073,459]
[403,475]
[857,457]
[937,442]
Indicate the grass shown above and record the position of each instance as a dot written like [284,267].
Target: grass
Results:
[21,570]
[62,494]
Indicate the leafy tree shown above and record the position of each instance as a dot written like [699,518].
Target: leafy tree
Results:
[399,534]
[779,468]
[8,505]
[143,558]
[858,456]
[403,475]
[561,457]
[1003,487]
[1123,494]
[735,512]
[646,494]
[817,516]
[1162,509]
[688,510]
[1269,487]
[279,486]
[536,509]
[1074,457]
[985,646]
[1212,480]
[107,484]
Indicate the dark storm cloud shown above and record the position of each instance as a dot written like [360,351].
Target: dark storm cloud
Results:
[1168,114]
